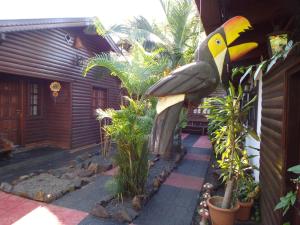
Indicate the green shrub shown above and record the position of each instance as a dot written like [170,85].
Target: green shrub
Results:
[130,129]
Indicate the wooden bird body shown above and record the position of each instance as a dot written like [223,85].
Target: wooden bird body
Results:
[196,80]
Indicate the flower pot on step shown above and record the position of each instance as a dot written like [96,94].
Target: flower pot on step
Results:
[218,215]
[244,211]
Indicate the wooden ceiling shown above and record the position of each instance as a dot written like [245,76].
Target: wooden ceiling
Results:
[265,16]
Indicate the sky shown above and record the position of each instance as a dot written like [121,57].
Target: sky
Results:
[109,11]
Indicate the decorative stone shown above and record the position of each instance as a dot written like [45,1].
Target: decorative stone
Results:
[67,176]
[136,203]
[156,183]
[100,211]
[94,168]
[73,163]
[40,196]
[122,216]
[79,159]
[80,165]
[78,182]
[6,187]
[84,173]
[22,194]
[85,156]
[24,177]
[150,164]
[177,158]
[87,163]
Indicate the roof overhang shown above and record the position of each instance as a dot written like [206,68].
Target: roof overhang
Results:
[7,26]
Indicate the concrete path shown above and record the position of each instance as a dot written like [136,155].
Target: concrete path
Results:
[174,203]
[176,200]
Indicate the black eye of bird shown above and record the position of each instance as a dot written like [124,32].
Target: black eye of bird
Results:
[218,42]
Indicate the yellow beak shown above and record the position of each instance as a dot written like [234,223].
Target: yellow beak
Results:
[232,29]
[238,51]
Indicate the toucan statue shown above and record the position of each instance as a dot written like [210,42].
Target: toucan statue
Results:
[194,81]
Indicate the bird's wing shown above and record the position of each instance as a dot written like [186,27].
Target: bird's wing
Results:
[186,79]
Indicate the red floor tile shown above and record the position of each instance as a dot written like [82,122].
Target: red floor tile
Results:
[3,195]
[184,181]
[192,156]
[203,142]
[21,211]
[184,135]
[11,202]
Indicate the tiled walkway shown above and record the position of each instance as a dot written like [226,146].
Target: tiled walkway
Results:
[176,200]
[20,211]
[174,203]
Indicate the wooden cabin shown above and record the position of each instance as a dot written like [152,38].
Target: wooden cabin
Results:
[44,99]
[279,96]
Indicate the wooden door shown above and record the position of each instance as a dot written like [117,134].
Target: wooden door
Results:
[10,110]
[293,139]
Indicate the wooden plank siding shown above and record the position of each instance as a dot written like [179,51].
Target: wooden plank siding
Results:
[273,152]
[47,56]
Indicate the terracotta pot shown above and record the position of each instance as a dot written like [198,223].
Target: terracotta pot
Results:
[244,211]
[218,215]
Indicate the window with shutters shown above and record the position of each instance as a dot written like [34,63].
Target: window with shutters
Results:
[99,99]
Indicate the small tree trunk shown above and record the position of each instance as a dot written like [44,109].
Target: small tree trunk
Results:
[228,194]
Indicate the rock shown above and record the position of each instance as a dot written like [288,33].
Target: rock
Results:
[59,172]
[32,174]
[73,163]
[150,164]
[24,177]
[163,175]
[84,173]
[87,163]
[67,176]
[78,182]
[6,187]
[22,194]
[100,211]
[80,165]
[136,203]
[156,183]
[14,182]
[50,198]
[178,158]
[79,159]
[85,156]
[71,188]
[122,216]
[40,196]
[94,168]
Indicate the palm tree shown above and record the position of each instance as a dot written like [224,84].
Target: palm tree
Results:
[137,71]
[178,36]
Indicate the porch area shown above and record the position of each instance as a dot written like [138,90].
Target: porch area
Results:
[31,115]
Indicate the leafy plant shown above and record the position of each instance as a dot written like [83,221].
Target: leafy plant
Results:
[264,66]
[137,73]
[247,189]
[177,37]
[229,136]
[130,129]
[289,200]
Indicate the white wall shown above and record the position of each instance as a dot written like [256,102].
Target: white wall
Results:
[249,140]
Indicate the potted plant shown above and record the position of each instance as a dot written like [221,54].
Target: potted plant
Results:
[229,144]
[246,193]
[289,200]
